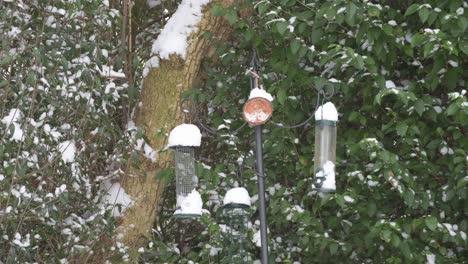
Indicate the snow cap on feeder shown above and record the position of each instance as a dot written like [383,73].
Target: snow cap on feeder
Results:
[185,135]
[258,109]
[326,118]
[237,197]
[189,205]
[183,139]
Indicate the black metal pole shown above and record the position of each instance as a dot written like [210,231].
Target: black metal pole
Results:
[261,193]
[255,83]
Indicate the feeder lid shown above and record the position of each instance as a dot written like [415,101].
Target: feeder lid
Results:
[327,112]
[185,135]
[235,197]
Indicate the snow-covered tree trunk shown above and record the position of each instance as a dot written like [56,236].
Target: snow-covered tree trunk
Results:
[178,53]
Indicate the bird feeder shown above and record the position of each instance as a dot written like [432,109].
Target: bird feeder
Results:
[258,109]
[326,118]
[236,212]
[182,140]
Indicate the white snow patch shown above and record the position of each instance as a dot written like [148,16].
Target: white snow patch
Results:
[13,116]
[153,3]
[116,196]
[67,149]
[107,71]
[430,259]
[328,171]
[389,84]
[258,92]
[151,63]
[190,204]
[187,135]
[327,112]
[348,199]
[237,195]
[256,239]
[173,38]
[453,63]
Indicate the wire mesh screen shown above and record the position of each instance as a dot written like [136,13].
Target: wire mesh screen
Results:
[186,180]
[237,218]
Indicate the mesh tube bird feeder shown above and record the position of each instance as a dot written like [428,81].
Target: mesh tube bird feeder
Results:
[236,213]
[326,118]
[182,140]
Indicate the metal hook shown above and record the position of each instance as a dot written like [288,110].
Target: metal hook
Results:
[330,94]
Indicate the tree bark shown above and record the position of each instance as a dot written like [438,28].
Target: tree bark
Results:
[160,110]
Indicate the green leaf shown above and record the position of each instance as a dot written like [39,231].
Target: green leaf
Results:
[316,35]
[353,116]
[217,10]
[386,235]
[452,109]
[371,208]
[281,26]
[463,46]
[419,107]
[424,14]
[340,200]
[431,222]
[232,17]
[411,9]
[263,7]
[350,14]
[295,45]
[401,129]
[418,39]
[6,59]
[395,240]
[281,95]
[408,195]
[462,24]
[333,248]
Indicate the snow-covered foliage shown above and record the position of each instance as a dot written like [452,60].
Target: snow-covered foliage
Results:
[61,92]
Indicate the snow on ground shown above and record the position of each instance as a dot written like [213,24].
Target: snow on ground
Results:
[327,112]
[174,36]
[237,195]
[187,135]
